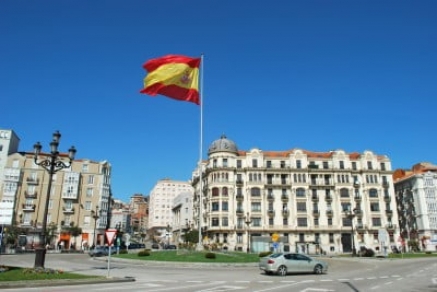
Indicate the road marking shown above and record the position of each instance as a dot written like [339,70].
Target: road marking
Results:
[358,279]
[222,289]
[315,289]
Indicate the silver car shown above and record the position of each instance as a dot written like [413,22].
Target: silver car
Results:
[284,263]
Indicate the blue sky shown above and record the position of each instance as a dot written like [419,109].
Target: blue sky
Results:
[277,75]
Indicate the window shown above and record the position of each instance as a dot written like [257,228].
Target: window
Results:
[238,163]
[84,167]
[301,237]
[215,221]
[282,164]
[369,165]
[298,164]
[91,179]
[300,192]
[88,205]
[224,206]
[256,222]
[89,192]
[373,193]
[225,192]
[376,221]
[383,166]
[301,207]
[225,162]
[325,165]
[374,207]
[344,193]
[346,222]
[316,221]
[341,164]
[354,165]
[225,221]
[254,163]
[269,164]
[271,221]
[256,206]
[215,206]
[255,192]
[329,221]
[331,237]
[215,192]
[302,222]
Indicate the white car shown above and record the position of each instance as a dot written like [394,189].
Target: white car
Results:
[284,263]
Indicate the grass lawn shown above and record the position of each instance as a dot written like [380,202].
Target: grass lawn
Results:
[26,274]
[193,256]
[411,255]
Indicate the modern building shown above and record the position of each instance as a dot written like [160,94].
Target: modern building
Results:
[416,198]
[161,202]
[294,200]
[79,197]
[9,142]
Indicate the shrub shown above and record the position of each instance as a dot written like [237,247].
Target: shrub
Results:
[144,253]
[210,255]
[264,254]
[122,251]
[366,252]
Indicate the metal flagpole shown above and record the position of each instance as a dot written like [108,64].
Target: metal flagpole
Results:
[200,154]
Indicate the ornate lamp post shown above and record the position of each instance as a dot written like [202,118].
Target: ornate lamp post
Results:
[351,215]
[248,221]
[52,164]
[96,216]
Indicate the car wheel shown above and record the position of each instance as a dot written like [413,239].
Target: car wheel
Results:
[318,269]
[282,271]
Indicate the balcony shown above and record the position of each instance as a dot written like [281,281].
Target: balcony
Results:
[28,207]
[32,180]
[270,197]
[240,197]
[389,213]
[387,198]
[271,213]
[284,198]
[316,212]
[390,226]
[240,212]
[239,182]
[285,213]
[385,184]
[30,195]
[329,213]
[328,198]
[314,198]
[360,226]
[357,198]
[68,210]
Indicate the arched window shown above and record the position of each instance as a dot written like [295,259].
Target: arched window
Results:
[344,193]
[225,192]
[215,192]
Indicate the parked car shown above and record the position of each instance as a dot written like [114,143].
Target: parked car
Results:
[170,246]
[99,251]
[155,246]
[284,263]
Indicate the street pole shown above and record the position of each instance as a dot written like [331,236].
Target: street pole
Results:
[52,164]
[248,221]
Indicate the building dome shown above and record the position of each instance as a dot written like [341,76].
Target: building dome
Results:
[222,145]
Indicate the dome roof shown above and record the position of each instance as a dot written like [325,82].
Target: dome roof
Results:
[222,145]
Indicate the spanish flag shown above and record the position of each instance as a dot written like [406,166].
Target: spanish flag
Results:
[174,76]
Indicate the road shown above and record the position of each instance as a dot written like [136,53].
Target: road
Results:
[345,274]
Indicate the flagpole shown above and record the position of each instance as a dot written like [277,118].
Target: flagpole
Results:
[200,156]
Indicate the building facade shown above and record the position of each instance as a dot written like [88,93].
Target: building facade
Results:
[161,200]
[416,197]
[79,197]
[295,200]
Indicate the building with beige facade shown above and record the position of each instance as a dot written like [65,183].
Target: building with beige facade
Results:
[79,197]
[416,197]
[294,200]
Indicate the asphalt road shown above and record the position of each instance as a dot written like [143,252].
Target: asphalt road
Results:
[345,274]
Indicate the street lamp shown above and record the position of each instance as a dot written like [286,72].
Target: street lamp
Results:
[351,215]
[96,216]
[248,221]
[52,164]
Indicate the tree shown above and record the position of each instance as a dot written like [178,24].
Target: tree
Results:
[191,236]
[75,231]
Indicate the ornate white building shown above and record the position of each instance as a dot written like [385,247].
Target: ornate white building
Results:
[294,200]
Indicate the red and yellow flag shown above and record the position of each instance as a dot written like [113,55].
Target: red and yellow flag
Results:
[174,76]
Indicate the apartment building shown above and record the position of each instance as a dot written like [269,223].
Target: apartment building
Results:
[416,198]
[79,197]
[294,200]
[182,216]
[139,210]
[161,200]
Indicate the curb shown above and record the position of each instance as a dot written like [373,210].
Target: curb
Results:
[69,282]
